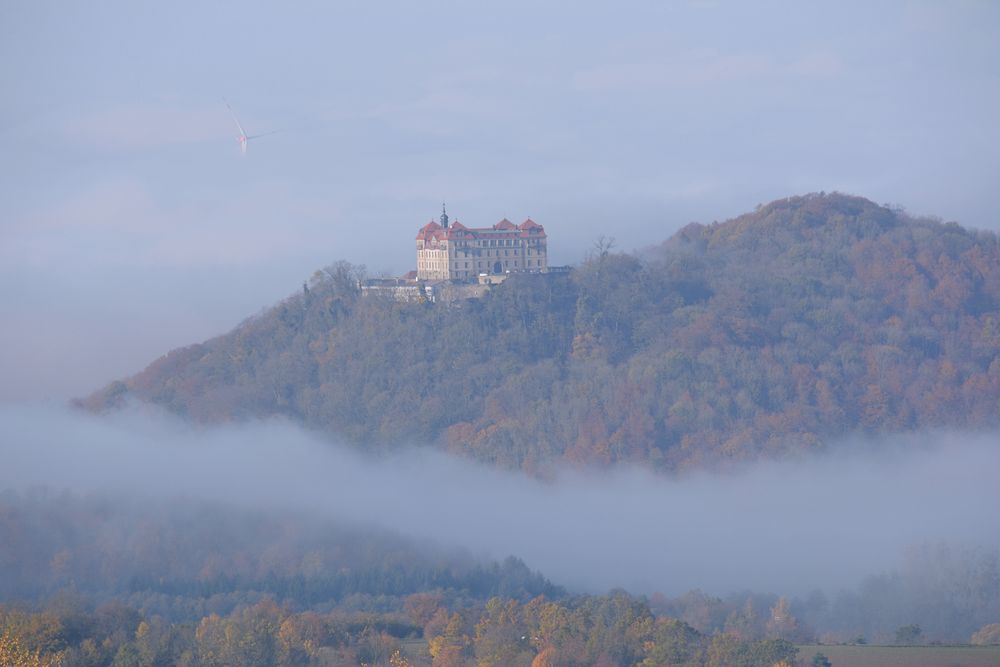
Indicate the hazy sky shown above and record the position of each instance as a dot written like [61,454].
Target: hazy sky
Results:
[130,224]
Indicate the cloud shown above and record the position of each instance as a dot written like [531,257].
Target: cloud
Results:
[694,68]
[705,68]
[818,65]
[466,104]
[123,222]
[783,527]
[144,127]
[115,205]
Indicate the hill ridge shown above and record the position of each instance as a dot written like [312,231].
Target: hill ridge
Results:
[776,332]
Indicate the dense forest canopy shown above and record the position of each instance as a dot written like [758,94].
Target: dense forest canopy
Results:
[777,332]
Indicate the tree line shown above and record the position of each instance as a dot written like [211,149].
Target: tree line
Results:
[596,630]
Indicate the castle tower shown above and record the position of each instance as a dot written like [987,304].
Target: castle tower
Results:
[444,217]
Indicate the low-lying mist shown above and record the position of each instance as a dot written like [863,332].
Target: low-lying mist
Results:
[783,527]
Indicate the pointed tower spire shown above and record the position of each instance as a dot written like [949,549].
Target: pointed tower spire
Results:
[444,217]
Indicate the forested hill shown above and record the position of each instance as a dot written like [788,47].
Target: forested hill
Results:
[809,319]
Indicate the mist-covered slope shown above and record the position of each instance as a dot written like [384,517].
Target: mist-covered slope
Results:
[810,319]
[172,557]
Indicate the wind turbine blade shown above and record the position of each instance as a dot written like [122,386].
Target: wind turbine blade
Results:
[237,120]
[254,136]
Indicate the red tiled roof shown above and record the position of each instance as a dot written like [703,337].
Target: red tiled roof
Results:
[507,230]
[429,231]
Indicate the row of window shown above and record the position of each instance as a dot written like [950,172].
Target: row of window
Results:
[493,243]
[527,264]
[489,253]
[438,266]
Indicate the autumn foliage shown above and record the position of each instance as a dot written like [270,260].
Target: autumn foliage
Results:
[811,319]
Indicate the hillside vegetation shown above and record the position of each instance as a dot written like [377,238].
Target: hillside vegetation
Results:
[104,580]
[810,319]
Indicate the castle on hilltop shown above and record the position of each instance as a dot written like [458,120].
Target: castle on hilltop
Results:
[456,252]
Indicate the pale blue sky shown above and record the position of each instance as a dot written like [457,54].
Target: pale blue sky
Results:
[130,224]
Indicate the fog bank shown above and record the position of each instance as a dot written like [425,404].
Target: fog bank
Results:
[781,527]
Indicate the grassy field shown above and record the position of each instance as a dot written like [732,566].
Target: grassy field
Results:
[904,656]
